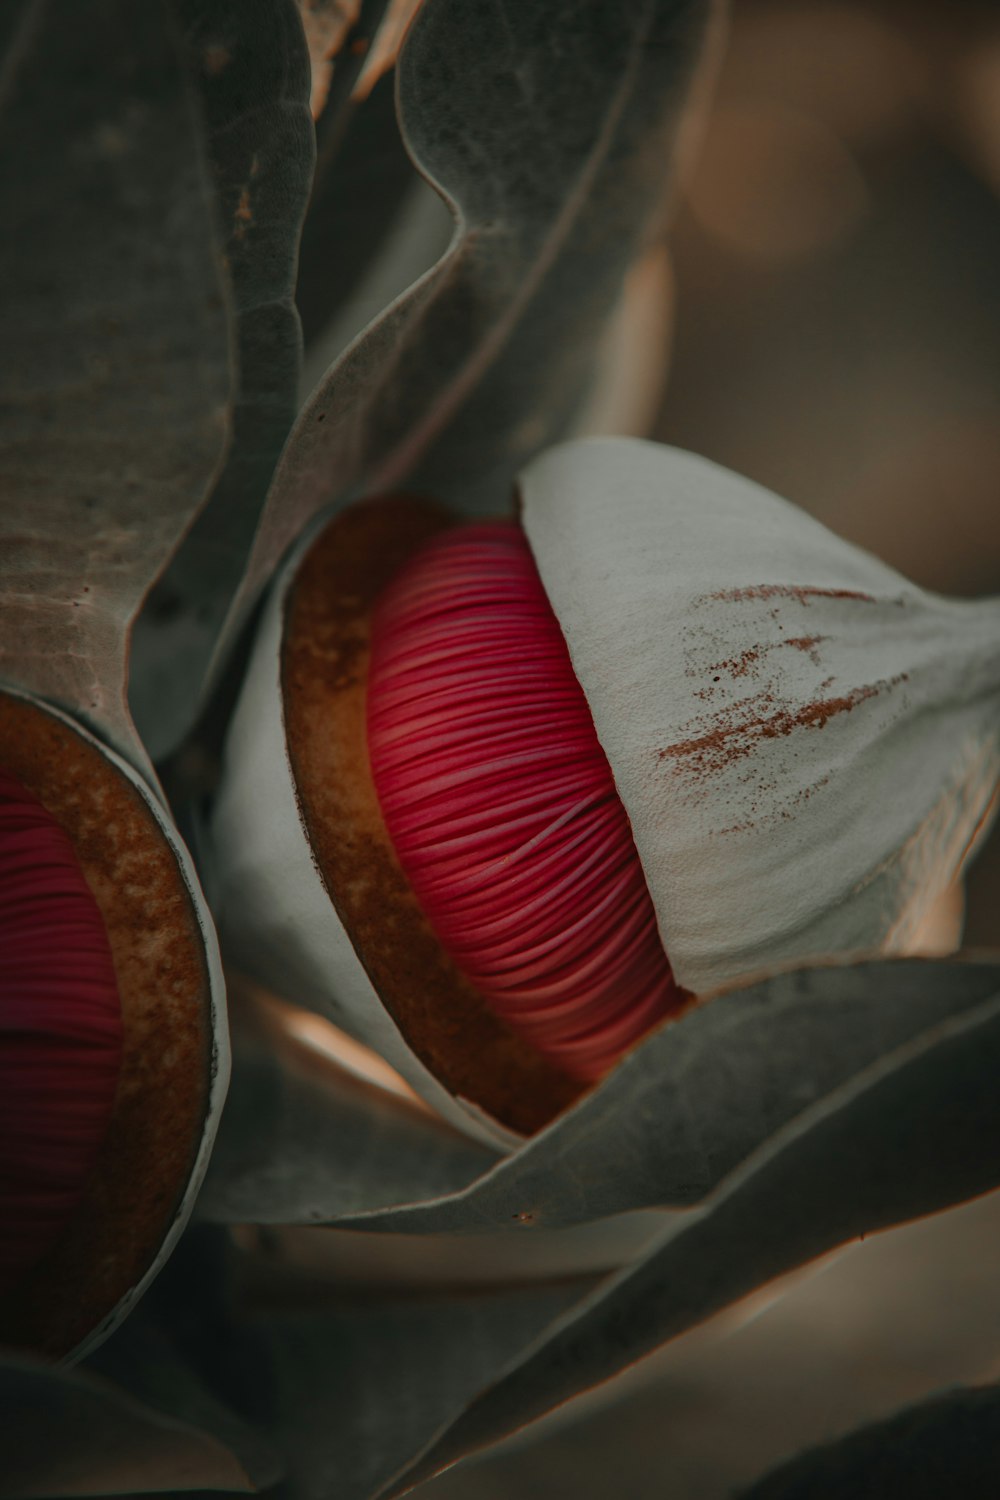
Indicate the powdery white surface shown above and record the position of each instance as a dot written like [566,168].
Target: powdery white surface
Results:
[805,742]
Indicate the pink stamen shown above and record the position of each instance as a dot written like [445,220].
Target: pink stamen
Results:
[60,1030]
[501,804]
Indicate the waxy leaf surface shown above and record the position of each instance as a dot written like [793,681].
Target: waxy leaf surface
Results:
[68,1432]
[304,1140]
[700,1096]
[836,1347]
[357,1383]
[175,1353]
[331,1385]
[115,360]
[551,131]
[259,140]
[679,1113]
[907,1138]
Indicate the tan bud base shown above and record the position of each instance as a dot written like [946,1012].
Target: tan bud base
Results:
[324,670]
[174,1066]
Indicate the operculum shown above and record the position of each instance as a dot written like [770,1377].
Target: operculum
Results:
[807,744]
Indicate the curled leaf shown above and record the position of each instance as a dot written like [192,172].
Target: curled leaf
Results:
[68,1432]
[259,141]
[680,1112]
[700,1096]
[551,132]
[357,1383]
[373,228]
[304,1140]
[846,1342]
[903,1140]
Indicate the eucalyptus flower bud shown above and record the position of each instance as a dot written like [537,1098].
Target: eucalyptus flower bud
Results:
[113,1051]
[806,748]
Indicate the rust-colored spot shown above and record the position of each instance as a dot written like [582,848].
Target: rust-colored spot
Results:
[803,594]
[806,644]
[750,824]
[737,732]
[747,662]
[739,666]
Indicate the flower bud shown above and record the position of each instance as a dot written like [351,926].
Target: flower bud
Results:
[805,747]
[500,804]
[113,1055]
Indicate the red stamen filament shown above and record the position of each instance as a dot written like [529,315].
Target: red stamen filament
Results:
[60,1030]
[501,804]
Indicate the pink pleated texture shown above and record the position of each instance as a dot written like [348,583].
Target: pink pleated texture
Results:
[60,1030]
[501,804]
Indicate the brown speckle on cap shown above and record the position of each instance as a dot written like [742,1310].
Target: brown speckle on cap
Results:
[735,733]
[803,594]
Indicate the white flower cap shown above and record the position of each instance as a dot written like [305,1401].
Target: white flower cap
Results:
[806,744]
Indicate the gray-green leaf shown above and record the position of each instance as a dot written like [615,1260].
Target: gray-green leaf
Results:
[551,130]
[357,1383]
[247,60]
[679,1113]
[115,357]
[303,1140]
[913,1134]
[69,1432]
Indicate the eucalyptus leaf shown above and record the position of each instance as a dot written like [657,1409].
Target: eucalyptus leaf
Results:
[946,1446]
[358,1383]
[303,1139]
[115,362]
[248,61]
[143,1360]
[873,1328]
[68,1432]
[678,1113]
[184,1353]
[914,1134]
[698,1097]
[551,131]
[342,1383]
